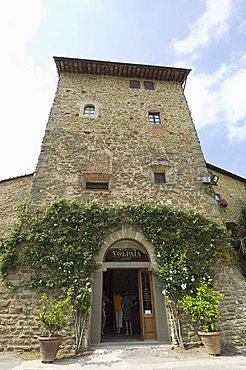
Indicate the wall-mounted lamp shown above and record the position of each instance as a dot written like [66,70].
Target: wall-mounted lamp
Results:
[214,179]
[210,180]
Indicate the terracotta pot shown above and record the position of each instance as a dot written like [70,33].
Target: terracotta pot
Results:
[49,347]
[211,341]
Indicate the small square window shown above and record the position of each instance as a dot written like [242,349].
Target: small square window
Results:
[89,110]
[149,85]
[97,185]
[154,118]
[159,178]
[134,84]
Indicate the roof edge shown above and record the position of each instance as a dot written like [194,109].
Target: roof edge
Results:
[124,69]
[17,177]
[225,172]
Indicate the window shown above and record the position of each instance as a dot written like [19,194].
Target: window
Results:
[163,172]
[159,178]
[154,118]
[97,185]
[89,110]
[96,180]
[134,84]
[148,85]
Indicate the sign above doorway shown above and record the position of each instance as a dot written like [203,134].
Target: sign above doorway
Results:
[126,251]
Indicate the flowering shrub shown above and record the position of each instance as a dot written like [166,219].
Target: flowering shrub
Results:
[54,313]
[203,307]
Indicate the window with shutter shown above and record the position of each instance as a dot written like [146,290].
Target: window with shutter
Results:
[149,85]
[134,84]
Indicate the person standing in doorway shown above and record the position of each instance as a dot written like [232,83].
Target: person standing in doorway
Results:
[103,318]
[106,304]
[118,311]
[127,313]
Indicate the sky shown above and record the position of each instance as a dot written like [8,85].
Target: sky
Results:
[208,36]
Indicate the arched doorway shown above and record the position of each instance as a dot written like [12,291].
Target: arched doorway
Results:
[131,279]
[126,262]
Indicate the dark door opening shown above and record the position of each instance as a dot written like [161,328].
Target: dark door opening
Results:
[124,280]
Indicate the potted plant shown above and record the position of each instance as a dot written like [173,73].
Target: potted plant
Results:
[203,307]
[54,316]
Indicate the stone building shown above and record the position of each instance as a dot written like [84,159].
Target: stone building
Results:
[230,194]
[122,133]
[12,194]
[232,188]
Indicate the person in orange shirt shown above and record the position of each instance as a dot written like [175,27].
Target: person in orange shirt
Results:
[118,311]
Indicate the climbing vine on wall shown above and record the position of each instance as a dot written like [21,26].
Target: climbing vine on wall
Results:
[61,239]
[58,243]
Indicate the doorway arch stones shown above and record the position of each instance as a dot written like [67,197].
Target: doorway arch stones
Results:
[126,232]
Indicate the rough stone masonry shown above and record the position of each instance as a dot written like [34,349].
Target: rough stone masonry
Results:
[118,146]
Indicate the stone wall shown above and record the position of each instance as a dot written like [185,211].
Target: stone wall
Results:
[118,146]
[12,193]
[121,145]
[17,323]
[230,282]
[233,189]
[18,316]
[20,326]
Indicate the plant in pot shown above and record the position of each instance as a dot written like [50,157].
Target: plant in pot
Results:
[54,316]
[203,307]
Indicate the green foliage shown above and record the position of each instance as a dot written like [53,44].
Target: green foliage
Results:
[58,243]
[187,245]
[203,307]
[54,313]
[9,246]
[243,221]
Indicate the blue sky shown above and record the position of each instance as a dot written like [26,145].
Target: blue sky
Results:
[208,36]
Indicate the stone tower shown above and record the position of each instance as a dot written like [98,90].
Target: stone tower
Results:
[121,133]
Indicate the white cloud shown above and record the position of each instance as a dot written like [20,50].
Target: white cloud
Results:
[237,134]
[26,90]
[212,24]
[233,102]
[242,27]
[203,99]
[233,96]
[19,20]
[218,99]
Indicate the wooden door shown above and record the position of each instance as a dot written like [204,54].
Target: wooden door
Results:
[146,303]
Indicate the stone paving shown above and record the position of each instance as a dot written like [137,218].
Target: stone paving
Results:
[135,357]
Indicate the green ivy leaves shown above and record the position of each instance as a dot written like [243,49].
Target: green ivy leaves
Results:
[59,241]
